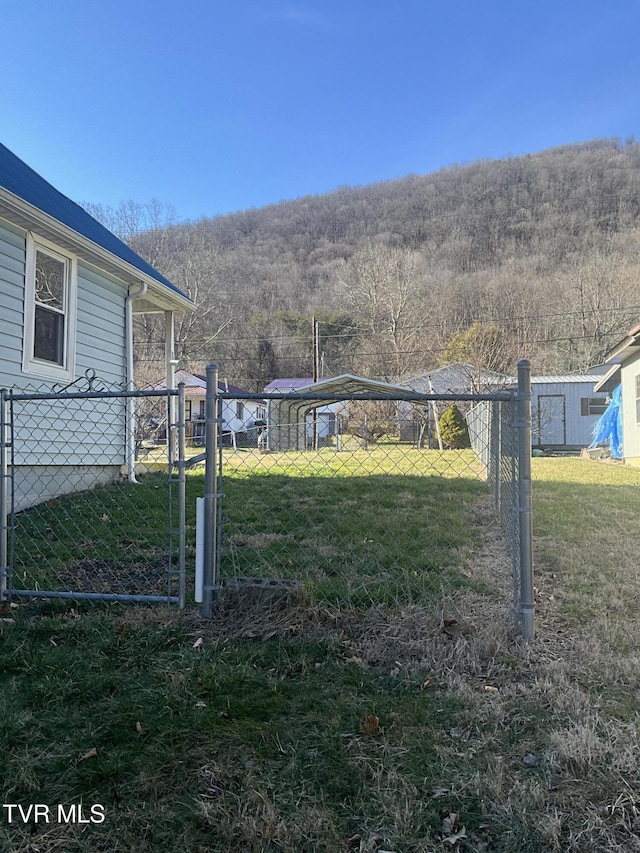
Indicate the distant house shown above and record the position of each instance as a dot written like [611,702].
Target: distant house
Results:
[242,420]
[69,290]
[623,361]
[455,378]
[458,378]
[565,409]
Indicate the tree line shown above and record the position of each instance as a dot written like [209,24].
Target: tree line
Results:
[534,256]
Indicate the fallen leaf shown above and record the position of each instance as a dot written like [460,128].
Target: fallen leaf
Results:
[198,643]
[104,517]
[201,704]
[139,727]
[370,726]
[425,684]
[449,823]
[489,689]
[395,671]
[453,839]
[530,760]
[92,753]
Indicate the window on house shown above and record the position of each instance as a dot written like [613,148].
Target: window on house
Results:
[239,410]
[187,410]
[49,312]
[593,405]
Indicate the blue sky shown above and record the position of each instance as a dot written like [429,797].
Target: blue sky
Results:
[214,106]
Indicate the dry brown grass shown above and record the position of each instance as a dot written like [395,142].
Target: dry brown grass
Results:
[548,742]
[537,748]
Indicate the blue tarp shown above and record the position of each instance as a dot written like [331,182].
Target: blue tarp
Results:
[608,430]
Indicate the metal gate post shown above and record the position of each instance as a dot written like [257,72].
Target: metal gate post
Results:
[4,503]
[527,601]
[182,474]
[211,581]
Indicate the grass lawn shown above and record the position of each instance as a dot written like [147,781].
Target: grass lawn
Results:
[342,717]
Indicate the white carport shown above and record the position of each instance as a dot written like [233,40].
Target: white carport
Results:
[287,414]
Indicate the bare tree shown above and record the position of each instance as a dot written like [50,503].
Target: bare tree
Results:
[383,286]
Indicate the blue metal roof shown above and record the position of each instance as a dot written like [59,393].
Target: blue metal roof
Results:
[22,181]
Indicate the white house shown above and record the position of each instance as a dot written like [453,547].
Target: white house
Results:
[69,290]
[242,420]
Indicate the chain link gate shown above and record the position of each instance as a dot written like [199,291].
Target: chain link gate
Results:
[92,496]
[371,511]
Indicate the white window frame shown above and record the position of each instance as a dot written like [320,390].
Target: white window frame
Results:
[40,367]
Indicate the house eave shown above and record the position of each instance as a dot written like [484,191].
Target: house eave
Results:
[24,215]
[619,352]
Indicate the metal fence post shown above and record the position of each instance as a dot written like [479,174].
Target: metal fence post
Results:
[4,504]
[182,482]
[527,601]
[210,560]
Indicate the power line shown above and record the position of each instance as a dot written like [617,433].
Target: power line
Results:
[514,322]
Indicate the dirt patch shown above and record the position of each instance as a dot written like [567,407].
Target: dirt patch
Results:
[109,577]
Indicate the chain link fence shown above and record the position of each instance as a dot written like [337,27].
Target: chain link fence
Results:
[357,499]
[364,499]
[92,505]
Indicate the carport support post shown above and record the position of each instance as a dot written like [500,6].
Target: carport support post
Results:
[211,581]
[523,423]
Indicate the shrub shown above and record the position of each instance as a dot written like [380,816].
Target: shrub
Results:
[453,429]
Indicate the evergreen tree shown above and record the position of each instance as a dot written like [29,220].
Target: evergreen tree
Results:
[453,429]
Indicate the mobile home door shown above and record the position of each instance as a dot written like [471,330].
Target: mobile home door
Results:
[551,419]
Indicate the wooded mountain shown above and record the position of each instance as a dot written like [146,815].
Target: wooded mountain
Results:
[535,256]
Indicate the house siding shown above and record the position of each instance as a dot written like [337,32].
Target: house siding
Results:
[630,427]
[100,340]
[58,442]
[12,264]
[100,331]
